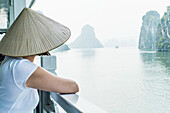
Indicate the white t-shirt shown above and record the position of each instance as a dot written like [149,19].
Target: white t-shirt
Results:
[15,97]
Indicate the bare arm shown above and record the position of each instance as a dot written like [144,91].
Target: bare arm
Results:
[44,80]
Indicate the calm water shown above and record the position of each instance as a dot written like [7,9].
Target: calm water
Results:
[123,80]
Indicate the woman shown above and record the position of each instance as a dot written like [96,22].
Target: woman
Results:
[31,34]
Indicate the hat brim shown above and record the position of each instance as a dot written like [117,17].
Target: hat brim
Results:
[33,33]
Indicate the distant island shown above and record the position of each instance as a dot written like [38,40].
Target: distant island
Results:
[87,39]
[155,32]
[124,42]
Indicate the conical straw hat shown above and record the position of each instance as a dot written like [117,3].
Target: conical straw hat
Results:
[33,33]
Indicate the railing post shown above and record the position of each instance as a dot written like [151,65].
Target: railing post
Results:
[46,104]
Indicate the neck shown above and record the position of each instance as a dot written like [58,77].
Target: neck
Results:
[30,58]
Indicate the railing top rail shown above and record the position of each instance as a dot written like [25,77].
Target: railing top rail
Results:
[73,103]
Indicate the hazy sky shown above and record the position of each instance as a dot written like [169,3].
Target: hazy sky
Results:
[110,18]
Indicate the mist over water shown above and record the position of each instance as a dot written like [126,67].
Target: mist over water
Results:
[124,80]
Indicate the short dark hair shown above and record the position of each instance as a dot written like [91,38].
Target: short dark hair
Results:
[43,54]
[1,57]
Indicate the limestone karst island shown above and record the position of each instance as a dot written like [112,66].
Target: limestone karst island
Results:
[155,32]
[87,39]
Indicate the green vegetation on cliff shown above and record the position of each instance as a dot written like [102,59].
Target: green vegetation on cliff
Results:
[163,32]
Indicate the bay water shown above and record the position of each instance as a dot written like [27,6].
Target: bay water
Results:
[122,80]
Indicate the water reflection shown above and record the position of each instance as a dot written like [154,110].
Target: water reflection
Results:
[86,53]
[147,57]
[164,57]
[155,82]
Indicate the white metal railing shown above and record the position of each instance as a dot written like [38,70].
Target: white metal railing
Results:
[73,103]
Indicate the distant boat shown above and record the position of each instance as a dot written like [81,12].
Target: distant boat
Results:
[116,46]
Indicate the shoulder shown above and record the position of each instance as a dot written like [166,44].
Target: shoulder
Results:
[22,65]
[14,62]
[22,70]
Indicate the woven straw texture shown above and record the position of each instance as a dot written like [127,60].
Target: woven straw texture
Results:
[33,33]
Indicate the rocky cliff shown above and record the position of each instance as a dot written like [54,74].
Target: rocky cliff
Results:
[87,39]
[163,32]
[147,39]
